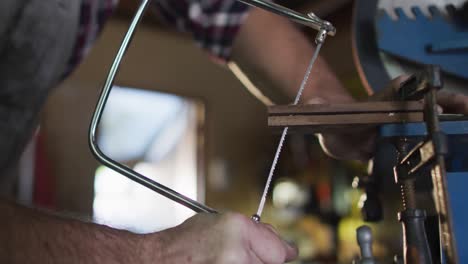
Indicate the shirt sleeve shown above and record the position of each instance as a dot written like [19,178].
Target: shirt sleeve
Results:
[92,18]
[212,23]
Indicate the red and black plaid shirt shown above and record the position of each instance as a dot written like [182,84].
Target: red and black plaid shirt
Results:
[212,23]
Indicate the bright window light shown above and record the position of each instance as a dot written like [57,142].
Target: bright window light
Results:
[157,134]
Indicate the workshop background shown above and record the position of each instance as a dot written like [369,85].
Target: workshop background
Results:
[213,130]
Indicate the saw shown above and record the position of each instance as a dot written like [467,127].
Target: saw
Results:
[324,29]
[394,37]
[391,7]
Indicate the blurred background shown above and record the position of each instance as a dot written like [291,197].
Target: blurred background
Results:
[188,123]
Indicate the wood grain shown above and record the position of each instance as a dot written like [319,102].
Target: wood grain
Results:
[354,108]
[339,117]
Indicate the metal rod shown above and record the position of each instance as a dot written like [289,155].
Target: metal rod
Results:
[120,168]
[439,177]
[310,20]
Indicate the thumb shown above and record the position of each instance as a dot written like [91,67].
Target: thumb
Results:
[391,90]
[292,251]
[268,246]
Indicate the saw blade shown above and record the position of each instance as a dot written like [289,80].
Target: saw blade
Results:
[390,6]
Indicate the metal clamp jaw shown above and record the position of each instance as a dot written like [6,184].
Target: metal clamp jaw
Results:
[429,153]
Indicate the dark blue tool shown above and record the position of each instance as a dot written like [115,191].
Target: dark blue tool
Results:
[457,171]
[436,40]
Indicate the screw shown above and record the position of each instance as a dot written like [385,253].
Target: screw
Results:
[407,187]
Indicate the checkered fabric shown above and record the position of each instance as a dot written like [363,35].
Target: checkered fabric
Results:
[93,15]
[212,23]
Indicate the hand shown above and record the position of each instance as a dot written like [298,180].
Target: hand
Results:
[218,239]
[359,143]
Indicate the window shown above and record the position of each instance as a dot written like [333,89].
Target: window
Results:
[160,136]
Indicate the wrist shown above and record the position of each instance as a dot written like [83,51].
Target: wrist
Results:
[100,243]
[150,249]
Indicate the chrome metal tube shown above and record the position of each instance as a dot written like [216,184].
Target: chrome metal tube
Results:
[309,20]
[120,168]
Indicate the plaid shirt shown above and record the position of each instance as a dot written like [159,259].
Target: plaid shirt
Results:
[212,23]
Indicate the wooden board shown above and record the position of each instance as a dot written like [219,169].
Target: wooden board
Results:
[362,107]
[335,118]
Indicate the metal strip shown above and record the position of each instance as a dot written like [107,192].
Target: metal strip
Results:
[257,216]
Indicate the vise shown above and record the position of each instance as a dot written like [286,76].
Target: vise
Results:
[456,160]
[427,150]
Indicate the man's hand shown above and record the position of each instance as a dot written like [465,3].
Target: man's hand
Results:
[30,236]
[359,143]
[278,59]
[221,239]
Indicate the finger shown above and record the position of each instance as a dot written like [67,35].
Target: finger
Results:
[254,259]
[454,103]
[440,109]
[356,144]
[291,249]
[389,92]
[268,246]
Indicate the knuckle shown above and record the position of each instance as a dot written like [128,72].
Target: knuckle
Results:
[235,219]
[235,226]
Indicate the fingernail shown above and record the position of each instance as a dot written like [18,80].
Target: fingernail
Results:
[291,244]
[293,251]
[440,110]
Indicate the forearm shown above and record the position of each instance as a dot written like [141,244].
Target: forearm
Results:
[29,236]
[275,54]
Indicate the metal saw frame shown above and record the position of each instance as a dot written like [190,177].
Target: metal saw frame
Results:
[310,20]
